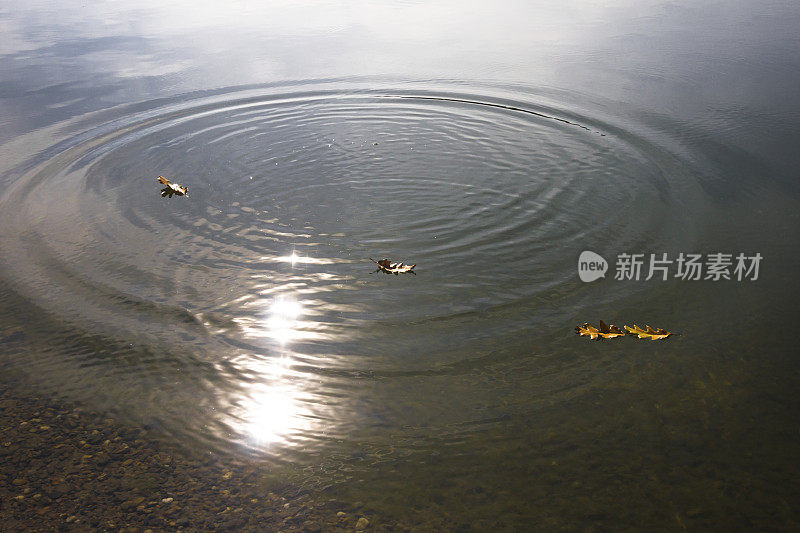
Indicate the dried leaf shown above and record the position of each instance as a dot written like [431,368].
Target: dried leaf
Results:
[606,331]
[385,265]
[609,332]
[172,188]
[587,330]
[651,333]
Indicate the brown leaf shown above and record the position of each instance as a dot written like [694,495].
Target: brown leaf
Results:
[648,332]
[385,265]
[587,330]
[609,332]
[606,331]
[172,188]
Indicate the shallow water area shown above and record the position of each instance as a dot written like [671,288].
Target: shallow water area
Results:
[247,320]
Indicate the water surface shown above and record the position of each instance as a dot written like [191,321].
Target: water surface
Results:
[491,147]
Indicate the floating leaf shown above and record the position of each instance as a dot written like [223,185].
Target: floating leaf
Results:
[609,332]
[385,265]
[652,334]
[587,330]
[604,331]
[172,188]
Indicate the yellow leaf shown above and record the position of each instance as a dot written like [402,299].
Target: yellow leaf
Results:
[604,332]
[587,330]
[609,332]
[651,333]
[636,330]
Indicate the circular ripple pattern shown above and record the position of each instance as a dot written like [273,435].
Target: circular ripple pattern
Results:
[249,311]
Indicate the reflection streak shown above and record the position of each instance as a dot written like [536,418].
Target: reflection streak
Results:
[272,410]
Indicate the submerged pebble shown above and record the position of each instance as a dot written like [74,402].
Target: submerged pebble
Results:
[118,478]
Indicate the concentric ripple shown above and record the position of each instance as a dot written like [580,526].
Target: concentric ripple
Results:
[250,312]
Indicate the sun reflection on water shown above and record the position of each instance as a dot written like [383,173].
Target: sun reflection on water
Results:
[284,320]
[294,258]
[284,313]
[271,416]
[273,410]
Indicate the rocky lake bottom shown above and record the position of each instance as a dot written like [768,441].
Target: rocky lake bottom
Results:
[66,469]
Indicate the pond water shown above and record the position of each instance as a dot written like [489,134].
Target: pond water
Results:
[490,144]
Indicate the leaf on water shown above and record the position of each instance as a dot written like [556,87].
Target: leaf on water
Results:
[385,265]
[606,331]
[609,332]
[651,333]
[172,188]
[587,330]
